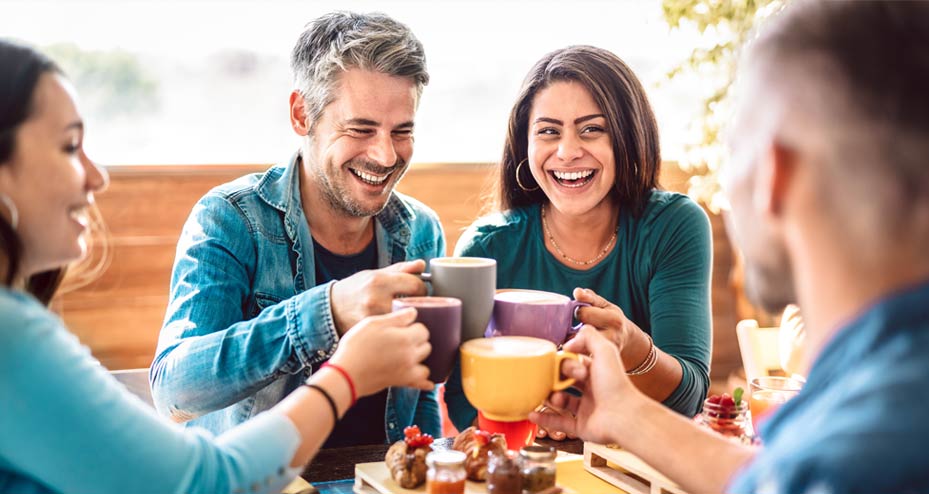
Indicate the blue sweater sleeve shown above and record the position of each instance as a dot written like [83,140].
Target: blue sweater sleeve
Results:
[68,426]
[679,296]
[208,338]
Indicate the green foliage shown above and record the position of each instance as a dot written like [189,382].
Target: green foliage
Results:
[113,83]
[726,26]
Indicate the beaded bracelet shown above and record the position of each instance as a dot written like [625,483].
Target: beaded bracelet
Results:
[335,411]
[650,360]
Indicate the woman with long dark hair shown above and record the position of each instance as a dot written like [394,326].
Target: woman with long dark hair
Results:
[578,205]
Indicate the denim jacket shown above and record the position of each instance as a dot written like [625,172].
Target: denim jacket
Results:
[245,319]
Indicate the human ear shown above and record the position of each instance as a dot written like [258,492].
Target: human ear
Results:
[298,120]
[774,179]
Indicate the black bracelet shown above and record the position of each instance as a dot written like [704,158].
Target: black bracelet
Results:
[335,411]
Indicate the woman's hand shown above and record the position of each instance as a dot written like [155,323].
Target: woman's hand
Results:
[387,350]
[605,316]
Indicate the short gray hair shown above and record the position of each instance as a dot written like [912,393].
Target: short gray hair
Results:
[858,73]
[340,41]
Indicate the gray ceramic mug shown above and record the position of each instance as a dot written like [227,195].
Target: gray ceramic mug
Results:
[472,280]
[535,313]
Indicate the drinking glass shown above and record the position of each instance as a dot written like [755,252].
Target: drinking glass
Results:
[769,392]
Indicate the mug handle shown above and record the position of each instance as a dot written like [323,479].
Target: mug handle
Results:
[560,383]
[575,305]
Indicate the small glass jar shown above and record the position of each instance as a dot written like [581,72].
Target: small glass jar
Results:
[730,421]
[537,468]
[503,475]
[446,472]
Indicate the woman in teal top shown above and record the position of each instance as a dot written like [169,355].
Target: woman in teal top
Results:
[65,424]
[580,207]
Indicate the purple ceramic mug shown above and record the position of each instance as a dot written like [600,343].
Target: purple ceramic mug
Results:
[535,313]
[442,317]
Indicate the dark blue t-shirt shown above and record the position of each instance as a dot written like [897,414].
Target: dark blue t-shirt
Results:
[364,422]
[861,422]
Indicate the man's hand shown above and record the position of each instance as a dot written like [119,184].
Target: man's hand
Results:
[370,292]
[605,388]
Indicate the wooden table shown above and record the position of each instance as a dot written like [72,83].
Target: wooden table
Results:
[339,463]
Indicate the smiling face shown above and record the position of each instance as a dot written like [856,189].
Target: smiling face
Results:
[50,179]
[362,144]
[570,150]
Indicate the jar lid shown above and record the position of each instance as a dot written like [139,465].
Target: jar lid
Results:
[446,458]
[538,453]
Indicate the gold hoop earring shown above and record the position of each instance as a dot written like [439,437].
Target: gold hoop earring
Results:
[11,207]
[520,182]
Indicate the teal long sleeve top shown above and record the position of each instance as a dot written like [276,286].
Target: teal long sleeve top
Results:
[658,273]
[67,426]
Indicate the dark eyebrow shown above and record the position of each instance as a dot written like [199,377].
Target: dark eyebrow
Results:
[549,120]
[576,121]
[589,117]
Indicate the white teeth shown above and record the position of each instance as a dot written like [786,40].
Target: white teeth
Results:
[572,175]
[369,178]
[80,215]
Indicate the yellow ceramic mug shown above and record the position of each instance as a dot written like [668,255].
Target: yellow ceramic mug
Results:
[509,376]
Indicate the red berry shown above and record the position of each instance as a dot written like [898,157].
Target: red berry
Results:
[726,402]
[714,399]
[411,431]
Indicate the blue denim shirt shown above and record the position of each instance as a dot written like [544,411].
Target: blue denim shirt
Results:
[861,422]
[245,319]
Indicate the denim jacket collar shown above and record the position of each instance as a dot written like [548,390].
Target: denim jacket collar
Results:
[282,191]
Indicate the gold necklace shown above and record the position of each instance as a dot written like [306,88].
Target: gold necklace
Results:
[602,253]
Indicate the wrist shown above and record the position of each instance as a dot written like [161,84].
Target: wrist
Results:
[335,386]
[346,377]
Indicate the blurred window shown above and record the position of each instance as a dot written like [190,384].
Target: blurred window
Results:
[208,81]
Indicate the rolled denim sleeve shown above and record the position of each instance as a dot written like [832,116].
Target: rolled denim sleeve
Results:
[214,350]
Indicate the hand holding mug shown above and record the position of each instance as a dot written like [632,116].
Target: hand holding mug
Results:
[605,387]
[384,351]
[371,292]
[605,316]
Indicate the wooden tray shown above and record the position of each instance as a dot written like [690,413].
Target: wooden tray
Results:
[626,471]
[374,478]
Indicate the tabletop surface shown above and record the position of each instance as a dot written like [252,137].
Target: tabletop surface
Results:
[339,463]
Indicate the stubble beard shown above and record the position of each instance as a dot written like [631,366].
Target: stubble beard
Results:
[341,201]
[770,286]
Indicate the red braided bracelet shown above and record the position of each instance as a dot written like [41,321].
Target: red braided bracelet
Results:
[348,378]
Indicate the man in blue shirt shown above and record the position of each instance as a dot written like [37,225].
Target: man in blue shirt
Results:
[829,186]
[273,268]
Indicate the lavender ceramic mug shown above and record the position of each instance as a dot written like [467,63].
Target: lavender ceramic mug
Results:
[534,313]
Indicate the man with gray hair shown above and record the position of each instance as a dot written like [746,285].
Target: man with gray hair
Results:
[273,268]
[829,187]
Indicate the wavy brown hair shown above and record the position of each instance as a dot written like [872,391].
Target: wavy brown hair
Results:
[630,123]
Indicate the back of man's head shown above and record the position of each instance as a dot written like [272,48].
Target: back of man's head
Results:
[850,82]
[339,41]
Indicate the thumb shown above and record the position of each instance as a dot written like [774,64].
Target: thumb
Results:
[589,296]
[412,267]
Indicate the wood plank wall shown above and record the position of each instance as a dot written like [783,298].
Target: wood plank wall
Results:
[118,315]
